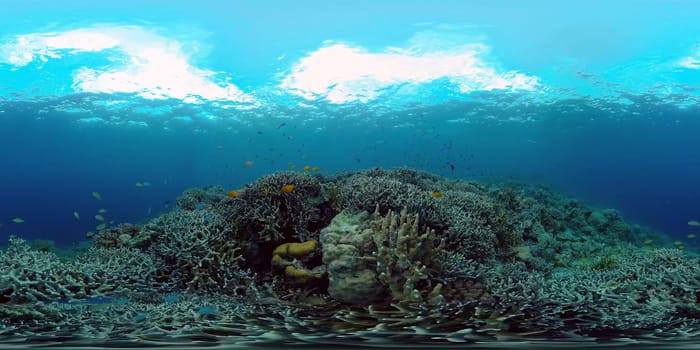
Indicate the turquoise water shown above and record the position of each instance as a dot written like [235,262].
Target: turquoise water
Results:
[110,111]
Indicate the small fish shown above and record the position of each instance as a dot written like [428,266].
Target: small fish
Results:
[315,168]
[102,211]
[232,194]
[436,194]
[101,226]
[97,195]
[281,125]
[291,166]
[678,243]
[139,184]
[266,192]
[18,220]
[681,247]
[691,235]
[89,234]
[171,298]
[287,188]
[307,168]
[649,241]
[248,164]
[76,215]
[693,223]
[99,217]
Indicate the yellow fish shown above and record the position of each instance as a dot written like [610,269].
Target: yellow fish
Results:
[314,168]
[287,188]
[18,220]
[99,217]
[232,194]
[691,235]
[76,215]
[97,195]
[266,192]
[248,164]
[102,211]
[307,168]
[101,226]
[436,194]
[681,247]
[693,223]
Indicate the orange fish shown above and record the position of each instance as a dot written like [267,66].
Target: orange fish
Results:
[232,194]
[436,194]
[306,168]
[287,188]
[314,168]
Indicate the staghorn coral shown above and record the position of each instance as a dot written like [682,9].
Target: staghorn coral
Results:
[518,261]
[30,276]
[264,213]
[200,250]
[197,198]
[641,291]
[119,236]
[364,191]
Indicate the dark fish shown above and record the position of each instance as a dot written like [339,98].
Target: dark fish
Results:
[281,125]
[452,166]
[259,132]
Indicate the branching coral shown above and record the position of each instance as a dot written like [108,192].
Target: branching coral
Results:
[200,250]
[367,257]
[29,276]
[264,212]
[405,257]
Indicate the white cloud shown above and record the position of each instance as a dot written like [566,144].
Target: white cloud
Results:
[341,73]
[141,62]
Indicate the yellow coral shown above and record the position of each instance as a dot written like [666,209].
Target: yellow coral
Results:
[301,275]
[277,261]
[295,249]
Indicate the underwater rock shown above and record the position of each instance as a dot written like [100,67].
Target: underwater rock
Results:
[347,247]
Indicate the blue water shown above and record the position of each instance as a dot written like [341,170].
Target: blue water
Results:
[601,101]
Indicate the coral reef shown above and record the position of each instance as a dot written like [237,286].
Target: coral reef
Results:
[32,276]
[200,251]
[301,254]
[263,212]
[293,258]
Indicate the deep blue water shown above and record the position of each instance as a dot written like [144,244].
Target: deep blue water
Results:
[646,167]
